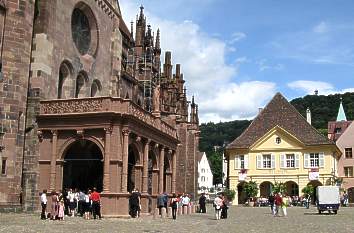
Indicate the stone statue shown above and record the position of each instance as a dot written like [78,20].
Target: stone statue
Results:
[156,99]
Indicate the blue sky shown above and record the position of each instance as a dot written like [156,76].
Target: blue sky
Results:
[237,54]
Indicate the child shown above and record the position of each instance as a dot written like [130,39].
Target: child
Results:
[61,210]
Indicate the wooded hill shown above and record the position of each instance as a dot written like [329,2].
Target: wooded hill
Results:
[323,109]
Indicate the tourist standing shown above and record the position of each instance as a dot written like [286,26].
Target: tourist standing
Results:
[218,205]
[202,202]
[345,199]
[134,203]
[81,205]
[271,203]
[54,209]
[160,202]
[61,210]
[224,207]
[278,201]
[96,203]
[72,204]
[284,205]
[44,204]
[174,206]
[87,205]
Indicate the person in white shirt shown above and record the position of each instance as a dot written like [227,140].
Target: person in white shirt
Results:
[218,204]
[72,204]
[44,204]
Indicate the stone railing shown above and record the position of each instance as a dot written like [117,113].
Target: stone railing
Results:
[101,105]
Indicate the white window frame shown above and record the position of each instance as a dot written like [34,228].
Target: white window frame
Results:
[261,160]
[238,162]
[320,158]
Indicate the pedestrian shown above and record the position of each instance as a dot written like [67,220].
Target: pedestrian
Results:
[96,203]
[54,206]
[160,202]
[284,205]
[345,199]
[271,203]
[44,204]
[278,201]
[202,202]
[61,210]
[81,204]
[72,204]
[308,201]
[134,203]
[174,205]
[224,207]
[87,205]
[218,205]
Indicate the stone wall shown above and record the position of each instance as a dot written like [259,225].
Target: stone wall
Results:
[16,51]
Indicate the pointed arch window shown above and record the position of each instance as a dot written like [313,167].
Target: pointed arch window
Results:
[80,84]
[95,88]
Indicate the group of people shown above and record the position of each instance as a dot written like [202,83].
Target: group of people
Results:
[221,206]
[278,202]
[71,202]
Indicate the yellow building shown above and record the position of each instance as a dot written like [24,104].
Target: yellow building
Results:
[281,146]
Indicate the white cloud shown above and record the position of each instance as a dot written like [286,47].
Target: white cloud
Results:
[237,101]
[208,76]
[322,27]
[237,36]
[309,87]
[263,65]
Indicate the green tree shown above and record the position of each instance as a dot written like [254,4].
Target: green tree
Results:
[279,187]
[251,189]
[308,190]
[229,194]
[215,160]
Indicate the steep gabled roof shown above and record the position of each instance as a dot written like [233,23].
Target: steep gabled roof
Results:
[279,112]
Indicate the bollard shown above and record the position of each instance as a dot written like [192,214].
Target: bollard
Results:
[156,213]
[169,212]
[185,209]
[163,212]
[189,209]
[179,210]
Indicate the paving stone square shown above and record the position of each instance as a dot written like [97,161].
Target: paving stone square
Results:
[241,219]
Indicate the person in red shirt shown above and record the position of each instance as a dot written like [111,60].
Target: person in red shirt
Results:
[96,203]
[278,201]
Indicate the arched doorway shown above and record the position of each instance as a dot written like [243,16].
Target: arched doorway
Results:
[351,194]
[133,159]
[292,189]
[265,188]
[315,184]
[241,194]
[83,166]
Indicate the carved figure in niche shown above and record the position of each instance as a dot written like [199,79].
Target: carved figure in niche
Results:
[156,99]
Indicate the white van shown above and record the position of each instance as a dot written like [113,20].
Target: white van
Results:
[328,199]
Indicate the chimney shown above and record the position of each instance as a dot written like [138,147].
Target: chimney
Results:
[308,115]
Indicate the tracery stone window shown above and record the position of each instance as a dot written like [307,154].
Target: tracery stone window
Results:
[84,29]
[80,85]
[95,88]
[81,31]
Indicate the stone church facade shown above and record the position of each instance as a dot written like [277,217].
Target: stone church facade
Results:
[85,102]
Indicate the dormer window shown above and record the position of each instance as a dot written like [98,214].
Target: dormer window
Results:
[277,140]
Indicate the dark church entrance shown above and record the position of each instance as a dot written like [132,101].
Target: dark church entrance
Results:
[83,166]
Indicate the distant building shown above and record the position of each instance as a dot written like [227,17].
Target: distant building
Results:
[280,146]
[205,176]
[224,169]
[344,134]
[337,128]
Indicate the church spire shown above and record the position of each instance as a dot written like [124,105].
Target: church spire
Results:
[157,44]
[341,114]
[141,17]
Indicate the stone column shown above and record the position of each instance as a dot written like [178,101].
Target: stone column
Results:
[125,160]
[107,151]
[174,168]
[161,168]
[53,159]
[146,166]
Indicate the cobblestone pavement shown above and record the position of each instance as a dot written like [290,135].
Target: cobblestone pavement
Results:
[241,219]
